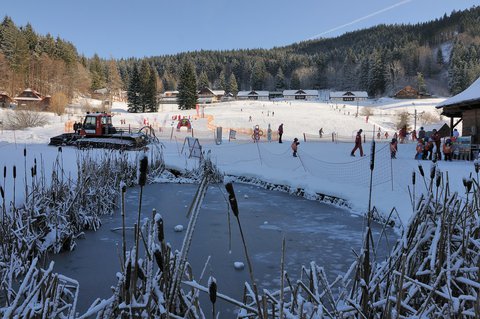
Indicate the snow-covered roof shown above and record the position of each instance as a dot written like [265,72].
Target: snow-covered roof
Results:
[252,93]
[471,94]
[436,126]
[23,98]
[101,91]
[213,92]
[300,92]
[340,94]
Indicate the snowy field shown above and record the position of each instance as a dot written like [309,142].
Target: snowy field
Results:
[322,167]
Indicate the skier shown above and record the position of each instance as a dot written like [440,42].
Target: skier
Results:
[280,133]
[256,134]
[358,143]
[295,146]
[320,132]
[393,148]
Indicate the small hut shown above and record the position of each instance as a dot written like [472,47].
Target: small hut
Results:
[5,99]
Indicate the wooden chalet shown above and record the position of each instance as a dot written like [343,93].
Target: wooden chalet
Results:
[168,97]
[5,99]
[101,94]
[465,107]
[207,96]
[410,92]
[307,95]
[348,96]
[30,98]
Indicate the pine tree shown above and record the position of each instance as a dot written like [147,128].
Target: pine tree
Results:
[149,89]
[203,81]
[133,93]
[97,73]
[280,80]
[440,60]
[113,80]
[377,79]
[187,87]
[222,81]
[144,87]
[422,87]
[258,75]
[295,82]
[232,85]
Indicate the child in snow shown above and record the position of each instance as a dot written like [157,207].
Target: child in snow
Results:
[295,146]
[393,148]
[419,149]
[447,150]
[428,150]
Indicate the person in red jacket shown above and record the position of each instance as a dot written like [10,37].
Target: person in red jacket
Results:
[358,143]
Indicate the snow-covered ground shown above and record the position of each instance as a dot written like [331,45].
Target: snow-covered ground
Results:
[322,166]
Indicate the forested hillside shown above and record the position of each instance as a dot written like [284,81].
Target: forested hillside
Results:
[440,57]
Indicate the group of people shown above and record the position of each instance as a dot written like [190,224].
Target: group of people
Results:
[295,143]
[431,147]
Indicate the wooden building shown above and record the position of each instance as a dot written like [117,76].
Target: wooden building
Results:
[348,96]
[5,99]
[168,97]
[207,96]
[253,95]
[442,128]
[32,99]
[465,107]
[409,92]
[306,95]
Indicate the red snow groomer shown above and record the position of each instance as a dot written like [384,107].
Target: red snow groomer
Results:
[97,131]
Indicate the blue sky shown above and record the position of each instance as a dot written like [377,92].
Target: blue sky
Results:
[139,28]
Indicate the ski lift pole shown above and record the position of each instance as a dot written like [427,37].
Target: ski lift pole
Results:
[303,165]
[372,166]
[259,154]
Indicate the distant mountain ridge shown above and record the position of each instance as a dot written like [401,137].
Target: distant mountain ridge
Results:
[440,57]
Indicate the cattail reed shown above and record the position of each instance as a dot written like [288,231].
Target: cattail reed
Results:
[14,182]
[159,227]
[212,292]
[123,188]
[233,204]
[232,199]
[420,169]
[142,179]
[438,179]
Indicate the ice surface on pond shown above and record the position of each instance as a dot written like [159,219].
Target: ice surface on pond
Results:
[313,231]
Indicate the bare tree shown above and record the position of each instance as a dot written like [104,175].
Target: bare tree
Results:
[58,103]
[21,119]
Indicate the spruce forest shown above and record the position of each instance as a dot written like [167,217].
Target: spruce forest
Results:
[440,57]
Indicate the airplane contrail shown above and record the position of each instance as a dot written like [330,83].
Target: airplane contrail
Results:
[361,19]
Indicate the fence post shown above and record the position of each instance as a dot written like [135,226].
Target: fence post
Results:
[333,137]
[304,137]
[171,134]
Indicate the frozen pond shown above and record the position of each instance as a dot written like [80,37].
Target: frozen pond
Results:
[314,231]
